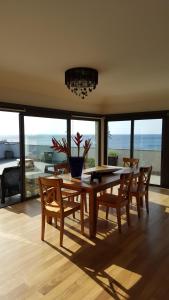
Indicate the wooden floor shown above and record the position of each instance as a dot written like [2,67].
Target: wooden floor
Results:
[131,265]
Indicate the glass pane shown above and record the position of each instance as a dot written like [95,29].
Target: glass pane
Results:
[118,142]
[147,145]
[39,156]
[89,129]
[9,151]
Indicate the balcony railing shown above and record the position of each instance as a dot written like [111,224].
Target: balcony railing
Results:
[9,153]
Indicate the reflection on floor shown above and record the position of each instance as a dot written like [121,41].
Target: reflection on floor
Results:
[10,201]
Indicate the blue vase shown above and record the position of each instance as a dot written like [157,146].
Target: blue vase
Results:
[76,166]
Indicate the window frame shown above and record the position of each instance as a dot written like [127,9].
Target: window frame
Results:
[164,115]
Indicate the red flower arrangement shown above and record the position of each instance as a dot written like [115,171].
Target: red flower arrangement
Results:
[62,146]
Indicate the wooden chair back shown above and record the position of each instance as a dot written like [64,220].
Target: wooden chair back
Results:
[130,162]
[125,184]
[144,178]
[50,191]
[61,168]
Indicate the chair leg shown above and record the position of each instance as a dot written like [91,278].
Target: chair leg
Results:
[107,212]
[83,198]
[97,209]
[72,199]
[147,203]
[119,218]
[85,203]
[138,206]
[61,230]
[111,190]
[42,227]
[130,198]
[141,201]
[128,214]
[55,222]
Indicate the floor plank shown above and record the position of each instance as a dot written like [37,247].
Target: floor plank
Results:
[131,265]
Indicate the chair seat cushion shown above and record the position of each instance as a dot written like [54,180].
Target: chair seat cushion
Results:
[53,207]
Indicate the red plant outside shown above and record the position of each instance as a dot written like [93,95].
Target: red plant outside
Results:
[78,139]
[62,146]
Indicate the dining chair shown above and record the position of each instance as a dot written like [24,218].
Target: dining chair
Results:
[130,162]
[120,200]
[54,205]
[63,168]
[140,189]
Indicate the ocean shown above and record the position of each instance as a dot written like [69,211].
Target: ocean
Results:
[141,141]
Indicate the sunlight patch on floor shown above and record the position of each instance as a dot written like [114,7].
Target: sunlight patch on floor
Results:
[167,210]
[15,237]
[162,200]
[124,277]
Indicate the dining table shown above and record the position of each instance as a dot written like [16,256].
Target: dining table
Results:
[104,177]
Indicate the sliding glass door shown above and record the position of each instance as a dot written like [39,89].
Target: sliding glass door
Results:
[118,145]
[146,138]
[39,156]
[147,145]
[9,155]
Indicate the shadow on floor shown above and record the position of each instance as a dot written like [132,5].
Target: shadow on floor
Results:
[11,201]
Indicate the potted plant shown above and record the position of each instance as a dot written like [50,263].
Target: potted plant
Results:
[112,158]
[75,162]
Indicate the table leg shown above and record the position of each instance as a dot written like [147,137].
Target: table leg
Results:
[92,214]
[141,201]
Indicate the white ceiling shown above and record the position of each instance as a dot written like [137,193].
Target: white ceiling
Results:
[126,41]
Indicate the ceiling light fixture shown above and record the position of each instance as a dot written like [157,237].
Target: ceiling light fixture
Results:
[81,80]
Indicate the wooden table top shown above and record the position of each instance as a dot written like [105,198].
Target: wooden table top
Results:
[108,179]
[103,169]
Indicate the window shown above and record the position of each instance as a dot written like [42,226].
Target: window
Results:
[10,150]
[147,145]
[89,129]
[39,156]
[118,141]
